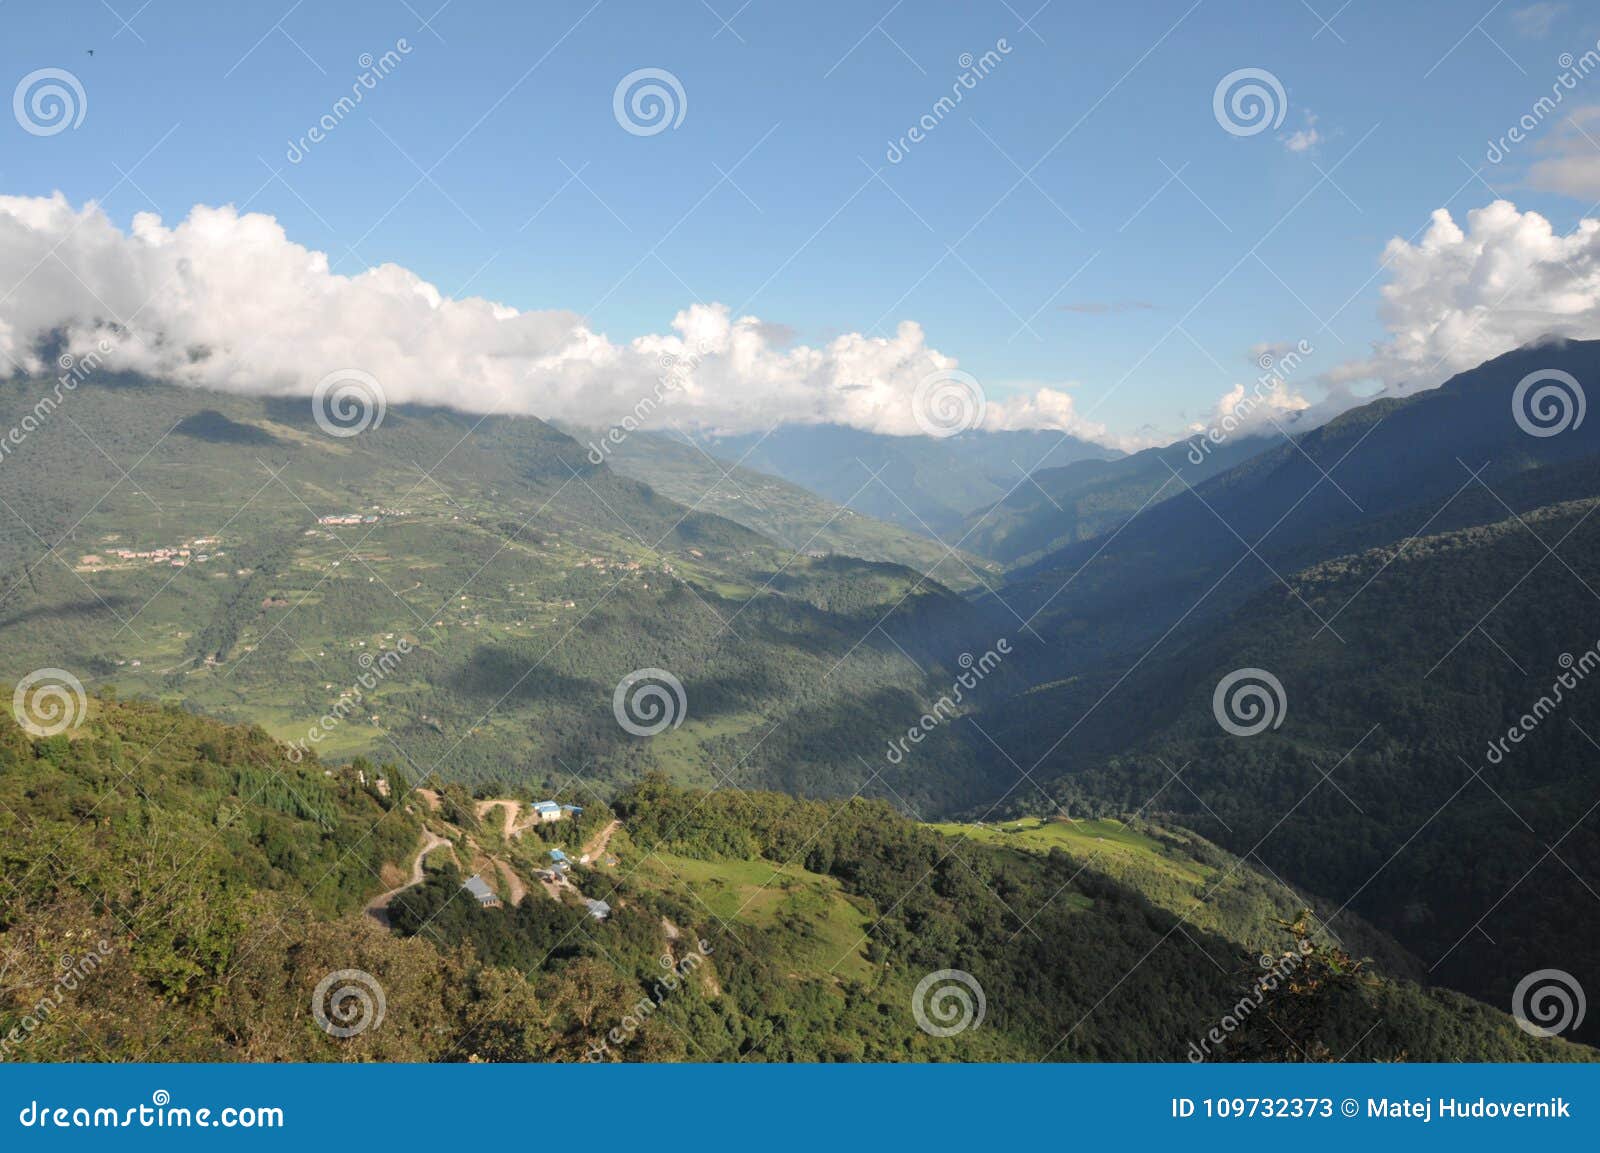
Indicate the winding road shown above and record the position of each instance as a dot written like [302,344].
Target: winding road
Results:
[511,808]
[378,907]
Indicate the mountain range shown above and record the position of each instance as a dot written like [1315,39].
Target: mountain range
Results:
[1403,586]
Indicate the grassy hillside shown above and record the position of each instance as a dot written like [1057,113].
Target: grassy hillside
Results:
[502,584]
[1186,875]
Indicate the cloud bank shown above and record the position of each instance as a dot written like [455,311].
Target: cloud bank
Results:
[1459,296]
[1455,297]
[225,300]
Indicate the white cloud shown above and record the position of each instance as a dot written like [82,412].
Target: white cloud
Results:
[227,301]
[1460,296]
[1303,139]
[1047,407]
[1257,410]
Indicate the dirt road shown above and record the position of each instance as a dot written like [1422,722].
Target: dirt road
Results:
[513,882]
[378,907]
[511,808]
[597,844]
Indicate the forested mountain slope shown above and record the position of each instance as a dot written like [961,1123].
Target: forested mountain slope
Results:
[1433,765]
[1216,541]
[176,542]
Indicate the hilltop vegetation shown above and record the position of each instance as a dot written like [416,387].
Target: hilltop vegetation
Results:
[218,881]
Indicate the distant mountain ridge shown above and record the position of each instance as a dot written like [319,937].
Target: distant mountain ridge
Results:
[926,484]
[795,517]
[1220,538]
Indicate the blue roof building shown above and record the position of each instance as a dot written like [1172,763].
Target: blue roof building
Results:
[557,855]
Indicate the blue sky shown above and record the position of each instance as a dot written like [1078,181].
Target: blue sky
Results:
[490,163]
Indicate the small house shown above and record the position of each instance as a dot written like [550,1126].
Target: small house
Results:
[547,811]
[599,910]
[481,892]
[557,855]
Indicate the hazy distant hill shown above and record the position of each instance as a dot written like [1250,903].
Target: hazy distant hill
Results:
[787,513]
[924,484]
[1089,498]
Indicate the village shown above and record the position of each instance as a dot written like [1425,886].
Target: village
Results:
[555,876]
[377,513]
[199,550]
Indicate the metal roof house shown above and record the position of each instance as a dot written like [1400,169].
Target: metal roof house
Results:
[481,892]
[573,809]
[547,811]
[599,910]
[557,855]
